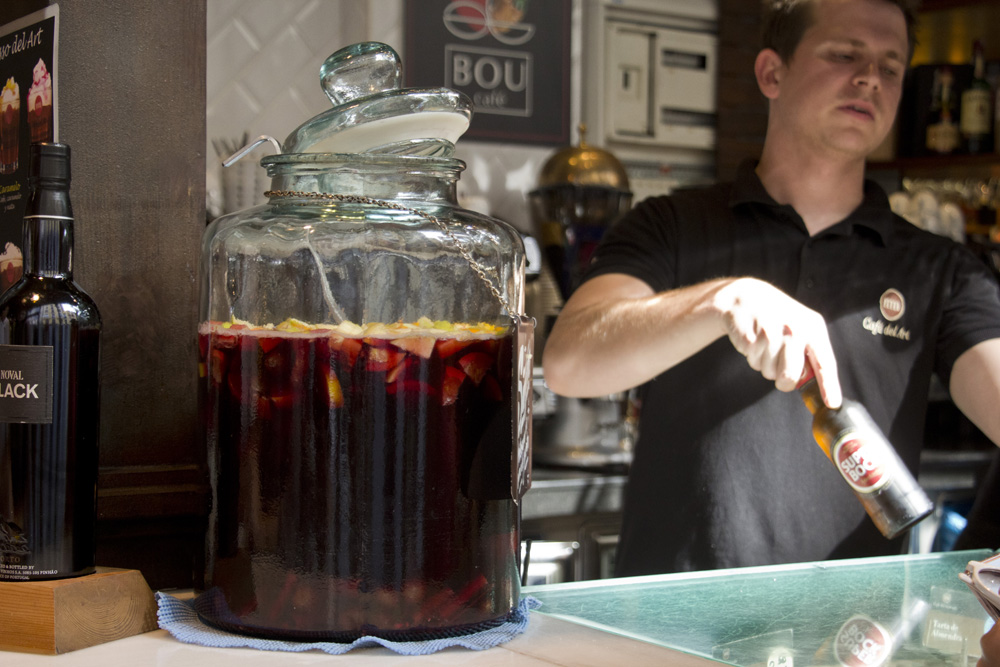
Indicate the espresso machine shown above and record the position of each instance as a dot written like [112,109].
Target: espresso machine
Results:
[581,191]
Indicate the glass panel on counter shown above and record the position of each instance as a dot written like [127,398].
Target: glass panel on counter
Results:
[911,610]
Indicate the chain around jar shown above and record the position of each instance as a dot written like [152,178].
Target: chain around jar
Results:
[466,255]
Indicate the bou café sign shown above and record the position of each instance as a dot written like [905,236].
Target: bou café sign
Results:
[511,57]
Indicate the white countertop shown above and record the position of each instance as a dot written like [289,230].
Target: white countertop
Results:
[741,616]
[547,641]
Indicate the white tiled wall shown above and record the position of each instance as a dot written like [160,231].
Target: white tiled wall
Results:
[263,60]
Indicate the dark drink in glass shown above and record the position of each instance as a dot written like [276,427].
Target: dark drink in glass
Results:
[352,472]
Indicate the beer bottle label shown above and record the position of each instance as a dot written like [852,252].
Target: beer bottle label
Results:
[863,461]
[26,384]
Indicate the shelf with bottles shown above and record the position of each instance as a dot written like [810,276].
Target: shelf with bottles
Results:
[986,165]
[950,90]
[946,115]
[945,5]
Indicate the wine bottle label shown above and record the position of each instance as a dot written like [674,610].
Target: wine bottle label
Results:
[975,117]
[862,461]
[26,384]
[943,137]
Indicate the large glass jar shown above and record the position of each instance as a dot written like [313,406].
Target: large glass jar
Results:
[359,387]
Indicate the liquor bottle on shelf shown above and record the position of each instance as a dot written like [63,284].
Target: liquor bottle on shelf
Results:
[976,115]
[867,461]
[49,392]
[942,132]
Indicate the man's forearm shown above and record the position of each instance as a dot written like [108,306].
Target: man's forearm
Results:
[615,334]
[600,347]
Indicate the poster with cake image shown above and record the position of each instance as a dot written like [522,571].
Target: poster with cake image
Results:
[28,113]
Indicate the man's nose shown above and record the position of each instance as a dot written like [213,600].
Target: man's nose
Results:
[868,75]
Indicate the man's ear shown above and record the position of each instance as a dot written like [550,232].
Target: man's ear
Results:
[769,69]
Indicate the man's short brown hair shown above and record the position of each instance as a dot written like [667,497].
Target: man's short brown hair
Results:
[785,21]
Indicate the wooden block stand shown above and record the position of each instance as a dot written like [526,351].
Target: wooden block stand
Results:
[68,614]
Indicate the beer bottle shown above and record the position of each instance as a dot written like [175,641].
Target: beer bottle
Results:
[867,461]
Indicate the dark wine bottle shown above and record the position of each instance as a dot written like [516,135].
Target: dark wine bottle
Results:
[976,119]
[867,461]
[49,392]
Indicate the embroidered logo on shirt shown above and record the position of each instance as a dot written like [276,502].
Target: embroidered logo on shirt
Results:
[892,304]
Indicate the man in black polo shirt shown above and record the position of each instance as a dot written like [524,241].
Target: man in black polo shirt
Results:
[715,300]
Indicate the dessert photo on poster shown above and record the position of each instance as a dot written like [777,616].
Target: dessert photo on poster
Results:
[10,115]
[28,114]
[40,103]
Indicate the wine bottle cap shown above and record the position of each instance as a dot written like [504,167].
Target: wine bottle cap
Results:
[49,161]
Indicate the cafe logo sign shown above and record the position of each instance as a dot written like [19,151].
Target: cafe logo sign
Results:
[499,80]
[892,304]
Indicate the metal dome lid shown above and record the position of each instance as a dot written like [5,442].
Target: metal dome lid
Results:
[585,166]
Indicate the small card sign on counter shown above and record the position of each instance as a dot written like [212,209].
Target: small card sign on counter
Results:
[28,113]
[954,616]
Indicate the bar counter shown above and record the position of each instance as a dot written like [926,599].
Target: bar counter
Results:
[801,615]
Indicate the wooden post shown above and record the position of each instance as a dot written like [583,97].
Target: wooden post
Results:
[64,615]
